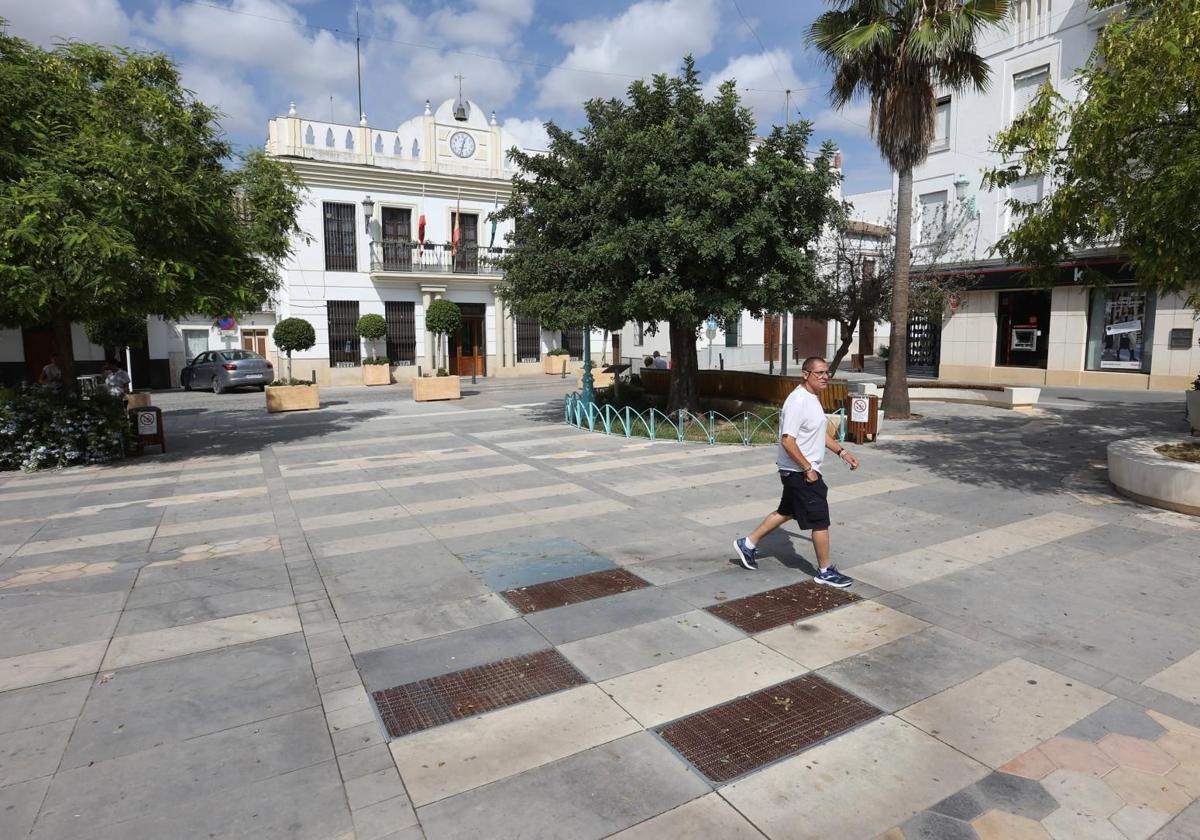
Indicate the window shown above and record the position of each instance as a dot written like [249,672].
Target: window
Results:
[941,125]
[341,247]
[466,249]
[868,269]
[529,340]
[731,334]
[344,350]
[1027,191]
[1120,330]
[1025,87]
[933,216]
[401,332]
[572,342]
[310,138]
[195,342]
[397,239]
[639,334]
[1023,329]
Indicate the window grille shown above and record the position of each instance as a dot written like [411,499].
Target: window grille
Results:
[731,334]
[572,342]
[401,332]
[344,350]
[341,248]
[397,239]
[529,340]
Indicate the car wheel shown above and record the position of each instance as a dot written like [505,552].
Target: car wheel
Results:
[186,382]
[216,386]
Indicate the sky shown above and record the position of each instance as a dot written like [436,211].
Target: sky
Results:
[528,60]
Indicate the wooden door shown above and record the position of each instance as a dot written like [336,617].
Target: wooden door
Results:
[771,338]
[255,341]
[467,355]
[38,343]
[809,337]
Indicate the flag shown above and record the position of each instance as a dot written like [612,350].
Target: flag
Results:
[421,223]
[495,207]
[454,239]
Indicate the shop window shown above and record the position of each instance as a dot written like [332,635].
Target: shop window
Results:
[1023,329]
[1120,330]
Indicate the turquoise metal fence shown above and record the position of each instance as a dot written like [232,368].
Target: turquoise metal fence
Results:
[711,426]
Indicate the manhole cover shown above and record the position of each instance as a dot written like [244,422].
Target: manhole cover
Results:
[426,703]
[743,735]
[777,607]
[572,590]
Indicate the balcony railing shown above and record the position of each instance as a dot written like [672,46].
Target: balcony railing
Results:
[405,257]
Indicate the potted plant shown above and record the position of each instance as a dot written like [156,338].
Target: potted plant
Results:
[1193,406]
[442,318]
[293,394]
[555,361]
[375,369]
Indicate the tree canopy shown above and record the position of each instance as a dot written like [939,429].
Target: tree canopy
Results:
[1122,160]
[898,54]
[116,197]
[665,207]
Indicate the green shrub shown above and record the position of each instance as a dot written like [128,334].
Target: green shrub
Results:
[282,383]
[882,352]
[294,334]
[376,360]
[372,327]
[40,429]
[558,351]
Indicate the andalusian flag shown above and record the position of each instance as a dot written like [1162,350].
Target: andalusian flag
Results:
[457,228]
[421,223]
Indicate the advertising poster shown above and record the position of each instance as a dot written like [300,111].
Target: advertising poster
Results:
[1123,336]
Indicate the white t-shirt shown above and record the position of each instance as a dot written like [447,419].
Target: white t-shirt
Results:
[117,382]
[803,418]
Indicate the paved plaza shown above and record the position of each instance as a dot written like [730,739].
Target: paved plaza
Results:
[390,620]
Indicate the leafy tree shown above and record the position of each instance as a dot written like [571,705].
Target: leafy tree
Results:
[115,200]
[294,334]
[442,318]
[662,208]
[899,53]
[117,331]
[372,327]
[1123,158]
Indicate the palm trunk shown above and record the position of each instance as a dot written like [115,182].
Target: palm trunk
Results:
[895,394]
[683,391]
[66,351]
[846,336]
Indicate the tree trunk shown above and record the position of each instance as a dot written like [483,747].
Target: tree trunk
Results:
[847,335]
[895,394]
[683,391]
[66,350]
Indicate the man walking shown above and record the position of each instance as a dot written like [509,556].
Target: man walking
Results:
[803,438]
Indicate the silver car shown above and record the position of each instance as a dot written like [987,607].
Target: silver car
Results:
[221,370]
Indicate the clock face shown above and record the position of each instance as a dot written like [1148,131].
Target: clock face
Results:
[462,144]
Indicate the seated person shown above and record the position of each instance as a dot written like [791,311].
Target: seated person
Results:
[660,362]
[51,377]
[116,380]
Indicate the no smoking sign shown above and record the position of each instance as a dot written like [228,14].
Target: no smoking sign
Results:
[147,423]
[859,409]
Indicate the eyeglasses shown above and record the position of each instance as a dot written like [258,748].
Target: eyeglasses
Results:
[819,372]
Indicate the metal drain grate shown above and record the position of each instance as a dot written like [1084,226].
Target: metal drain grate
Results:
[777,607]
[572,590]
[427,703]
[743,735]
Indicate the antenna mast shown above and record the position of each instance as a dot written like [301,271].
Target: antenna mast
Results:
[358,59]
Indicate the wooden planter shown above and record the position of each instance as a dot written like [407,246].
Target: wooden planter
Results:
[555,365]
[292,397]
[377,374]
[137,400]
[426,388]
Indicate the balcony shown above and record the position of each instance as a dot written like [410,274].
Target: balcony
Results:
[405,257]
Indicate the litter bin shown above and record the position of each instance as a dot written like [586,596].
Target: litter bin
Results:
[146,424]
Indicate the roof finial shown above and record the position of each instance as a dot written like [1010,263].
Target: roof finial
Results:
[292,110]
[362,118]
[492,121]
[428,109]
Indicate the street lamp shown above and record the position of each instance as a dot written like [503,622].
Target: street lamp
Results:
[589,390]
[961,184]
[368,212]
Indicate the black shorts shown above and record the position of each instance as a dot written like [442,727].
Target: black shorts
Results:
[805,502]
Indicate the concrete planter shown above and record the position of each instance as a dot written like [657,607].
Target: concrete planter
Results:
[600,379]
[292,397]
[1003,396]
[1193,410]
[1140,473]
[426,388]
[556,365]
[377,374]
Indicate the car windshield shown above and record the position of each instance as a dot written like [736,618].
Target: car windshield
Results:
[239,355]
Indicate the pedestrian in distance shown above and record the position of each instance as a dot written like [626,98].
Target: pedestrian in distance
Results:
[804,436]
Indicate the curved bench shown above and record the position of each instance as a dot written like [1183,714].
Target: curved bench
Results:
[1145,476]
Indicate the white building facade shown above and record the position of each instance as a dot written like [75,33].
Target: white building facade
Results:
[1002,330]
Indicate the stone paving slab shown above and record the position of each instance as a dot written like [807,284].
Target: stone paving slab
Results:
[243,618]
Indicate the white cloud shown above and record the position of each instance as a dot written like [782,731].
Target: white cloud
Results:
[761,79]
[529,134]
[46,24]
[492,22]
[649,37]
[241,110]
[853,120]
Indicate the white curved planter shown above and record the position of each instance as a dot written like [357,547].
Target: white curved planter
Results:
[1140,473]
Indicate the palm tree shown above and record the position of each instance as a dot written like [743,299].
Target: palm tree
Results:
[900,53]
